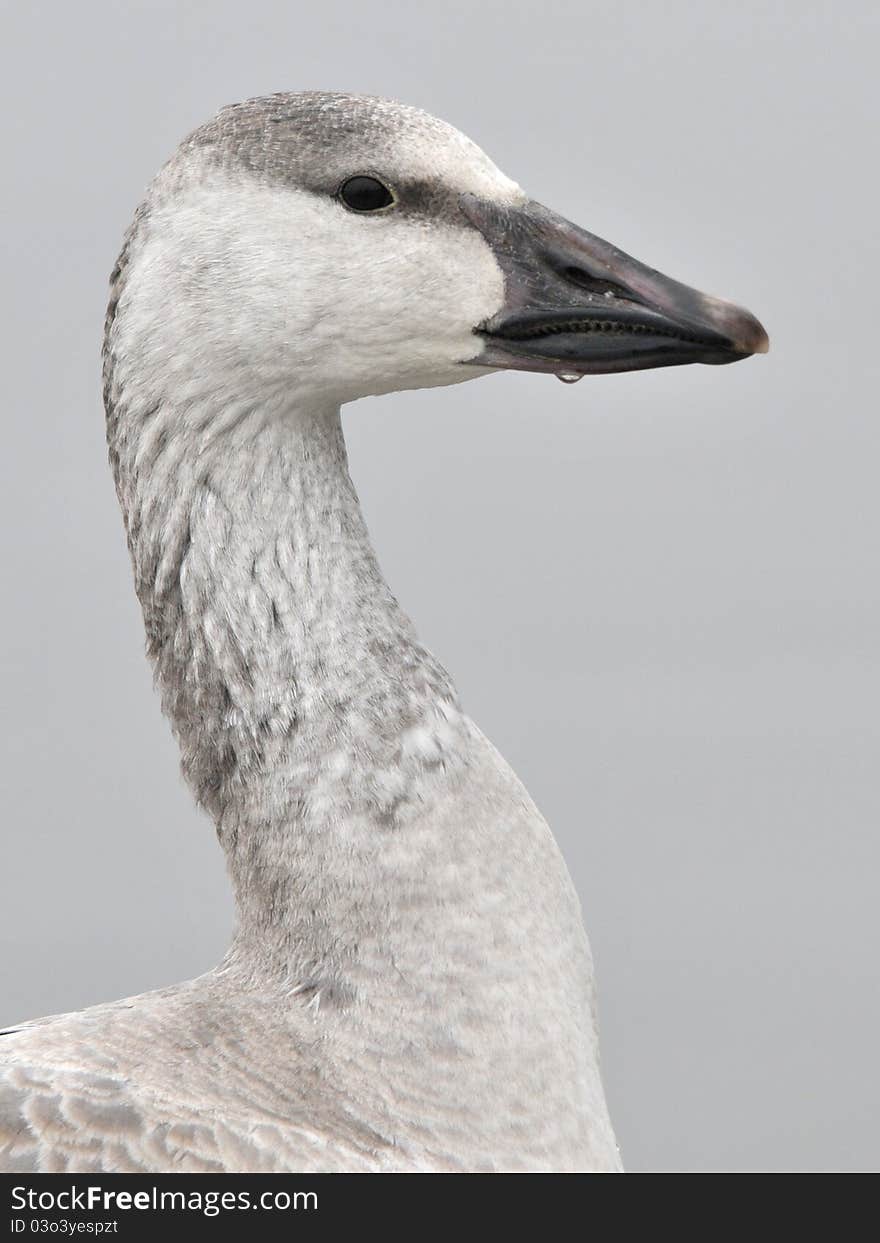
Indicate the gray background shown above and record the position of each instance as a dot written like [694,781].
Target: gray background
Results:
[658,592]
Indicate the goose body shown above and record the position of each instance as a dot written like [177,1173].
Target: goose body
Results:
[409,986]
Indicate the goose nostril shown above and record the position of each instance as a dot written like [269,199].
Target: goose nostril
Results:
[594,284]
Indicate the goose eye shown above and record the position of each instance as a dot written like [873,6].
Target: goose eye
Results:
[365,194]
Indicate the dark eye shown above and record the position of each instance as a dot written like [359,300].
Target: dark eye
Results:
[365,194]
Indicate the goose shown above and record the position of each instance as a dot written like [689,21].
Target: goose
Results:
[409,986]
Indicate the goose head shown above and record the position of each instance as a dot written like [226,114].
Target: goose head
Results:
[355,246]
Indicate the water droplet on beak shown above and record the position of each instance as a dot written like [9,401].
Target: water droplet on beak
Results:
[568,377]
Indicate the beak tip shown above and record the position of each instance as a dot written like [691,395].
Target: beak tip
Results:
[755,342]
[752,336]
[746,333]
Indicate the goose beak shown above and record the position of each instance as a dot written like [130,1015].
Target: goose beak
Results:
[575,304]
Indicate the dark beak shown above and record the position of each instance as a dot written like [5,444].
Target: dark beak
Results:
[576,305]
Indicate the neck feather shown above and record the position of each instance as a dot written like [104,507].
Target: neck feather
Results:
[387,865]
[309,717]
